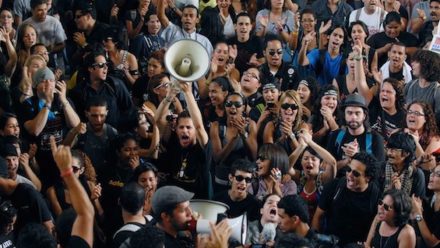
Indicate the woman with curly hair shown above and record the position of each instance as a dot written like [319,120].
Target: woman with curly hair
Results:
[282,130]
[325,114]
[420,123]
[58,194]
[391,117]
[425,65]
[390,227]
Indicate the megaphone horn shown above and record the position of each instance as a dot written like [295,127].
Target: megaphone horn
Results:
[187,60]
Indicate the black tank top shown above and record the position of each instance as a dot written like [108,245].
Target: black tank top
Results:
[385,242]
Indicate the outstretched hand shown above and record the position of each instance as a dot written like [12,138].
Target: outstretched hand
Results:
[61,155]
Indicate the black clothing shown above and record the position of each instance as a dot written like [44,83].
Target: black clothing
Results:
[250,205]
[113,90]
[386,124]
[77,242]
[6,241]
[324,13]
[425,34]
[376,146]
[383,241]
[188,168]
[123,235]
[245,50]
[349,214]
[286,76]
[30,205]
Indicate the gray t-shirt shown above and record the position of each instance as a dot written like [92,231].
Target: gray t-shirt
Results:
[413,92]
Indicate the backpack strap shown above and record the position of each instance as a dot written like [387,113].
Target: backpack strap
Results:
[127,227]
[339,138]
[358,14]
[369,143]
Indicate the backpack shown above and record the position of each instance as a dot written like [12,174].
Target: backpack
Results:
[368,141]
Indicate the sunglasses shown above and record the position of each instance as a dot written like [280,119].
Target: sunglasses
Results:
[385,206]
[235,104]
[261,157]
[279,52]
[241,178]
[75,169]
[100,65]
[286,106]
[354,172]
[165,85]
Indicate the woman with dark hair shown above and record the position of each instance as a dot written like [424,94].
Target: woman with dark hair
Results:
[325,114]
[158,88]
[9,125]
[146,175]
[135,19]
[272,164]
[307,91]
[392,32]
[227,17]
[236,138]
[425,65]
[282,130]
[420,123]
[156,65]
[122,63]
[390,227]
[218,90]
[391,116]
[58,195]
[8,57]
[427,211]
[359,33]
[318,167]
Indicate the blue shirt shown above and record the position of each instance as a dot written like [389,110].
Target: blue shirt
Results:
[330,69]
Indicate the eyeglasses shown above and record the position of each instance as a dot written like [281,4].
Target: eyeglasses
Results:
[235,104]
[416,113]
[165,85]
[435,173]
[286,106]
[385,206]
[354,172]
[100,65]
[251,75]
[240,178]
[279,52]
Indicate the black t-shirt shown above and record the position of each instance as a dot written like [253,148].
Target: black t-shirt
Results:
[432,219]
[245,50]
[6,241]
[390,123]
[349,214]
[286,76]
[376,146]
[122,235]
[30,205]
[188,168]
[379,40]
[77,242]
[250,205]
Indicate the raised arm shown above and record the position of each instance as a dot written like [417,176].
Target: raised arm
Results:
[359,74]
[302,57]
[194,111]
[161,14]
[83,225]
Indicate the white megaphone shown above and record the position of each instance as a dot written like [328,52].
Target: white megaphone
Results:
[210,211]
[187,60]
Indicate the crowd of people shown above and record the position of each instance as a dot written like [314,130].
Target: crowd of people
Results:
[318,120]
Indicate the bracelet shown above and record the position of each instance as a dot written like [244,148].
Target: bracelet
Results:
[67,172]
[292,136]
[48,106]
[357,57]
[169,99]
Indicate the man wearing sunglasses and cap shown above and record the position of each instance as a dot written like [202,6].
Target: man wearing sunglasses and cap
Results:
[356,135]
[275,69]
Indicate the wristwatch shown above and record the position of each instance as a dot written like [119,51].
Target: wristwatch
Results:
[46,105]
[419,217]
